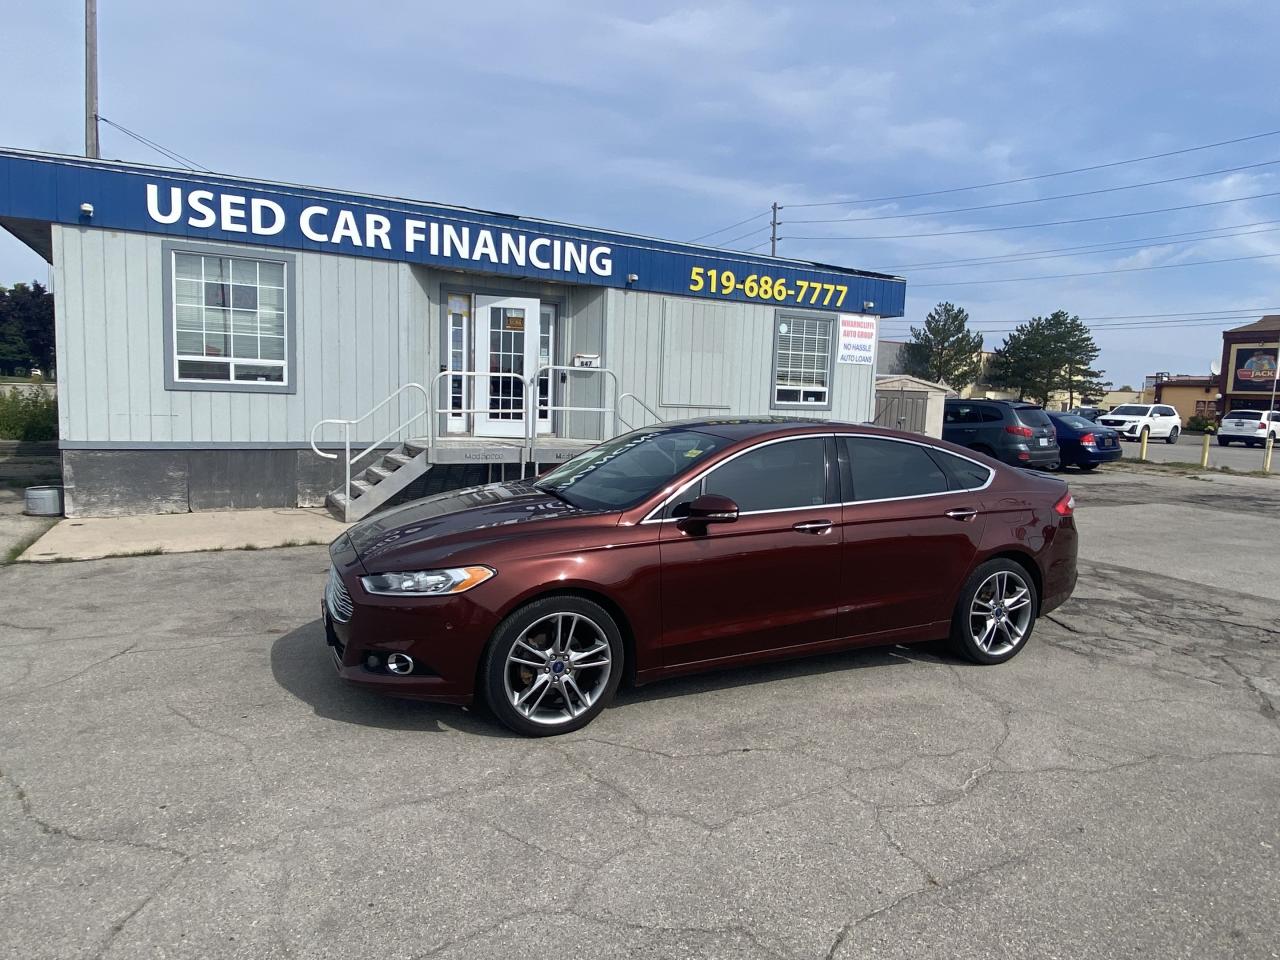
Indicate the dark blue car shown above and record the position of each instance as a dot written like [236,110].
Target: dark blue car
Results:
[1083,442]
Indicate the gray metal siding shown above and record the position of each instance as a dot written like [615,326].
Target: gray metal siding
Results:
[361,332]
[741,385]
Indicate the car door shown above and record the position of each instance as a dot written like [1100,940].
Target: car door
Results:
[960,423]
[767,580]
[911,525]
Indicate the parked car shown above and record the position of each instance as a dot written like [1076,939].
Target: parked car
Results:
[1250,427]
[1012,431]
[1156,420]
[1089,413]
[691,546]
[1083,443]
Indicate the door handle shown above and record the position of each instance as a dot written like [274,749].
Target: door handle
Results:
[813,526]
[962,513]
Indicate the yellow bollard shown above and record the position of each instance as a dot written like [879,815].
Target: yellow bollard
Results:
[1266,457]
[1142,451]
[1204,453]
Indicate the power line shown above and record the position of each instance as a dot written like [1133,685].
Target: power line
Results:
[1087,251]
[1061,196]
[1042,176]
[1047,223]
[749,233]
[730,226]
[1116,324]
[1098,273]
[928,264]
[171,154]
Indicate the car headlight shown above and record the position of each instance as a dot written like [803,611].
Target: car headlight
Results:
[432,583]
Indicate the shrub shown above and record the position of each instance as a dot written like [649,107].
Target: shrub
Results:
[1203,424]
[28,414]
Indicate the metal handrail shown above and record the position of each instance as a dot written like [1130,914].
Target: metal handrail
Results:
[450,411]
[531,427]
[644,406]
[348,424]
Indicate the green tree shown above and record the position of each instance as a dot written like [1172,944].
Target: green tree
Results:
[944,350]
[1047,355]
[26,326]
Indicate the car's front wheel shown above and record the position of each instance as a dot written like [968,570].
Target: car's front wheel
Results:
[1224,442]
[553,665]
[1173,436]
[996,612]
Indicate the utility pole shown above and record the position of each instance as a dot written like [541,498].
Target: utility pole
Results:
[91,79]
[773,231]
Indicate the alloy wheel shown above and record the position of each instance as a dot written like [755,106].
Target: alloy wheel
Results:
[557,668]
[1001,613]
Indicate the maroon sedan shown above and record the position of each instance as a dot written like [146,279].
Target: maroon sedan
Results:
[692,546]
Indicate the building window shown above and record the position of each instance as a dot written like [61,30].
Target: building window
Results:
[1206,408]
[802,361]
[228,320]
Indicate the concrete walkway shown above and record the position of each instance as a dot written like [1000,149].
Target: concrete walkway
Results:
[92,538]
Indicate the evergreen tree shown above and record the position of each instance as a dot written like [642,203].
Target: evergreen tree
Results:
[944,350]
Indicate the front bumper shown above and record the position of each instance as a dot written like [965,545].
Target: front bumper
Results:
[445,636]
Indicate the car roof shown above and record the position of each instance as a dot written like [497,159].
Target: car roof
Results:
[747,428]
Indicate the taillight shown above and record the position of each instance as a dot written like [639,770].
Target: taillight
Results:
[1088,438]
[1020,431]
[1262,425]
[1066,506]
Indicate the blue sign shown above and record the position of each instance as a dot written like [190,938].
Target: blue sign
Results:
[214,207]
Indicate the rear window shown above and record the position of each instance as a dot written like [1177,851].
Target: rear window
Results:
[1130,410]
[1078,423]
[1033,416]
[1244,415]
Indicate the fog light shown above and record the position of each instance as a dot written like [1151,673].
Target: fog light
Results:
[400,663]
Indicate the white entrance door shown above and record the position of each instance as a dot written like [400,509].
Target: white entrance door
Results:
[506,353]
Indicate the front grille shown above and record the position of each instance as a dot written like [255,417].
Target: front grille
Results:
[336,597]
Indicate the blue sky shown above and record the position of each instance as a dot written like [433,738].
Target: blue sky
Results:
[677,119]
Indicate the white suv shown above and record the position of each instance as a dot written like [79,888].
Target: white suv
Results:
[1132,420]
[1250,427]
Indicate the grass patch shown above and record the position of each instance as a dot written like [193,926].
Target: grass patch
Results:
[19,548]
[1188,468]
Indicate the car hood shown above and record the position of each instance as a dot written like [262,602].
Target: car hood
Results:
[1122,417]
[495,511]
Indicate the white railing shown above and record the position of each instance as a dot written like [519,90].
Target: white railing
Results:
[534,402]
[527,392]
[348,424]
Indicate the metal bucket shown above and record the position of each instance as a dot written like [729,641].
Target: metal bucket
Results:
[44,501]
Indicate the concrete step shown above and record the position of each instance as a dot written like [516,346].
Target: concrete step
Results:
[378,484]
[360,488]
[376,473]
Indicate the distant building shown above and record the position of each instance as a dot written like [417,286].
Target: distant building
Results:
[1191,396]
[1249,365]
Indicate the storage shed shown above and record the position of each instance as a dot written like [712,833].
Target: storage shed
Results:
[225,342]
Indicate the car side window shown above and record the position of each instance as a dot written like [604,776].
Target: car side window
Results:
[991,415]
[776,476]
[888,469]
[960,413]
[963,473]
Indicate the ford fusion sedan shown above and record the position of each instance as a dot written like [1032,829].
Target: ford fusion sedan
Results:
[693,546]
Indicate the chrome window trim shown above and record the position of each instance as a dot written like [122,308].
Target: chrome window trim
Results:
[991,476]
[991,473]
[649,517]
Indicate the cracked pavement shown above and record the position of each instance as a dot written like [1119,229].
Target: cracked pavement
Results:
[184,777]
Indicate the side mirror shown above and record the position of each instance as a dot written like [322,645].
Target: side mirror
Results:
[712,508]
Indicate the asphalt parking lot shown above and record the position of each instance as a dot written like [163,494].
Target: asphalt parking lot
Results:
[185,778]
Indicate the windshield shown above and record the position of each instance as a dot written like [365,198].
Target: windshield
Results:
[623,471]
[1130,410]
[1077,423]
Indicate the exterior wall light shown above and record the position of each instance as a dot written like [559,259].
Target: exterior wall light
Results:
[868,305]
[632,277]
[86,209]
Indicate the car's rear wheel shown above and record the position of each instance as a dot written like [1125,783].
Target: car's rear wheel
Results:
[1173,436]
[553,665]
[996,612]
[1087,466]
[1224,442]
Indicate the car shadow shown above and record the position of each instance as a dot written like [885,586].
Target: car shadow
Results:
[302,665]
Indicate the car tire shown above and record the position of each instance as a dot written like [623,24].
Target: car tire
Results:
[1086,467]
[1250,443]
[1009,628]
[531,656]
[1224,442]
[1173,436]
